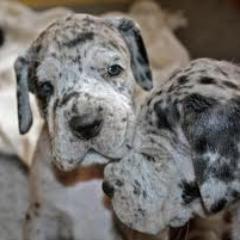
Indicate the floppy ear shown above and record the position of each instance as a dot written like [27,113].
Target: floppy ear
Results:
[24,110]
[139,58]
[212,129]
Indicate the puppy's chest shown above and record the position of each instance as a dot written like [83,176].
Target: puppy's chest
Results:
[81,200]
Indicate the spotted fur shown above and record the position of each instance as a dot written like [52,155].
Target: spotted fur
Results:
[185,155]
[66,68]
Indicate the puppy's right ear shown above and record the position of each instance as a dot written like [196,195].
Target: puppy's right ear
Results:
[24,109]
[212,129]
[132,36]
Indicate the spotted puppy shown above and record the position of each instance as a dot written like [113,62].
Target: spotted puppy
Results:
[185,156]
[83,71]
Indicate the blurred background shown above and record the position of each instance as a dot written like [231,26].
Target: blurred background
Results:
[213,25]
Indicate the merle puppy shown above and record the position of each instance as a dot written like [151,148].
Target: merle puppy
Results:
[185,156]
[84,71]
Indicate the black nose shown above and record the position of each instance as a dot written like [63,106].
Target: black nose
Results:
[84,128]
[108,189]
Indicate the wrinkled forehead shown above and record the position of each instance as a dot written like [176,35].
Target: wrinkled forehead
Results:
[71,34]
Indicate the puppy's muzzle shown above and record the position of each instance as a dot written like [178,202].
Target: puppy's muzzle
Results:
[85,127]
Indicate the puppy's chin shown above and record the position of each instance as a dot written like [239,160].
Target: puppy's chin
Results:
[138,218]
[65,165]
[94,158]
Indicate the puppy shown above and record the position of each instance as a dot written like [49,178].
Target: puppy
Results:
[185,155]
[83,71]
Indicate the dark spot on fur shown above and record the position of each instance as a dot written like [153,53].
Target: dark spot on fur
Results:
[183,79]
[174,74]
[198,103]
[150,122]
[144,194]
[27,217]
[45,91]
[126,25]
[32,77]
[68,97]
[158,93]
[69,18]
[224,173]
[175,115]
[79,39]
[136,189]
[141,211]
[218,206]
[55,105]
[38,48]
[114,45]
[230,84]
[200,166]
[152,140]
[148,157]
[119,183]
[137,183]
[77,59]
[207,80]
[235,194]
[201,145]
[203,72]
[148,102]
[2,37]
[162,120]
[129,147]
[190,191]
[171,88]
[222,72]
[100,108]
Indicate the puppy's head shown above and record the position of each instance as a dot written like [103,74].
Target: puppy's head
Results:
[83,71]
[185,160]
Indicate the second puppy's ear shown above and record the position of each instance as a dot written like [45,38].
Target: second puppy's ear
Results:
[139,58]
[213,131]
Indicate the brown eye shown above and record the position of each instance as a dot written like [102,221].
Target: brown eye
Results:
[114,70]
[45,89]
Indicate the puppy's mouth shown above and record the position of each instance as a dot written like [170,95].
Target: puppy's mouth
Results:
[92,157]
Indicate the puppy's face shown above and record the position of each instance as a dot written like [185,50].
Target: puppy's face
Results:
[83,71]
[185,160]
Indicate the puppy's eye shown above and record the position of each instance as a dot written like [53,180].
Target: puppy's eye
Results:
[114,70]
[45,89]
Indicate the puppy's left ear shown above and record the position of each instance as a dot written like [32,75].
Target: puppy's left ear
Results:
[213,131]
[139,58]
[25,118]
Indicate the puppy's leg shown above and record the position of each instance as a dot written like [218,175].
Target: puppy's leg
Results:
[32,226]
[43,220]
[13,197]
[47,223]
